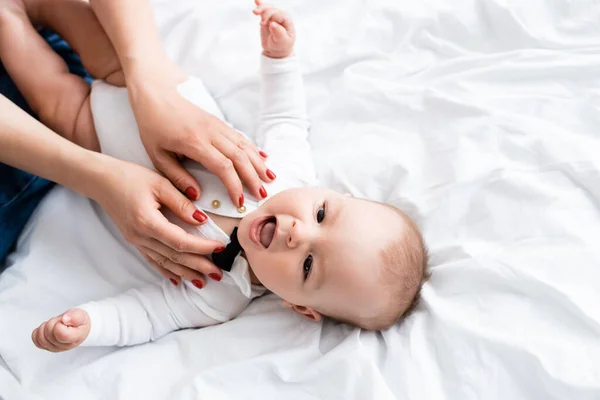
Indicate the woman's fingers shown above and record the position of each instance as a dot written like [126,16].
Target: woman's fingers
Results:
[243,164]
[197,263]
[191,275]
[176,238]
[185,273]
[170,165]
[164,272]
[166,194]
[224,168]
[257,157]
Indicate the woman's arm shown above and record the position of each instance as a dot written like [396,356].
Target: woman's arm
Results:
[28,145]
[130,194]
[170,125]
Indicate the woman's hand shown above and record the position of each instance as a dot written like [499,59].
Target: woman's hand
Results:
[171,127]
[132,196]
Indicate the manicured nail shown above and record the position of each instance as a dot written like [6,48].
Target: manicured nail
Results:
[271,174]
[215,276]
[200,216]
[191,193]
[263,154]
[219,250]
[241,199]
[263,192]
[198,283]
[174,282]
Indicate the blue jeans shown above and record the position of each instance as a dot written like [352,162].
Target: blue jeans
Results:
[21,192]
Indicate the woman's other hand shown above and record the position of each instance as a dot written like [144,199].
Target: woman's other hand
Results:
[171,127]
[132,196]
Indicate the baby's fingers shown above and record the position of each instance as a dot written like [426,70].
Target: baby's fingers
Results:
[260,8]
[34,339]
[50,329]
[40,340]
[267,14]
[279,33]
[68,337]
[75,317]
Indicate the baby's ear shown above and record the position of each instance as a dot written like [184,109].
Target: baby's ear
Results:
[308,312]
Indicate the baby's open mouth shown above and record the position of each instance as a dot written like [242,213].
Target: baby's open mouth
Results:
[266,231]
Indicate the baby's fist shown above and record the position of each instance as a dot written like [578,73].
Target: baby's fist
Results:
[277,32]
[64,332]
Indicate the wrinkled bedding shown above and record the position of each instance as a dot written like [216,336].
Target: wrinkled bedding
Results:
[479,118]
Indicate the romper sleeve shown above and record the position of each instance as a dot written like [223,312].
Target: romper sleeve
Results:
[283,123]
[146,314]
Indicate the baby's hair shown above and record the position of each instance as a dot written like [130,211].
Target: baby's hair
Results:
[404,271]
[406,283]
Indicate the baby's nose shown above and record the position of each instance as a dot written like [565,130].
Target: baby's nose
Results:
[297,235]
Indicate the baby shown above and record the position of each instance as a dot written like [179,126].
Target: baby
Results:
[324,253]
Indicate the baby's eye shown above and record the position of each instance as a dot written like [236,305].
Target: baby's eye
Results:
[321,214]
[307,266]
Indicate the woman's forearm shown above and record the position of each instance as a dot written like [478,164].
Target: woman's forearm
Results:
[132,30]
[28,145]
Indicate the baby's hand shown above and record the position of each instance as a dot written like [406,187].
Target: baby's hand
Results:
[277,31]
[64,332]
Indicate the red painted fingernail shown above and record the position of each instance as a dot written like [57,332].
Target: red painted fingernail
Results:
[198,283]
[191,193]
[241,199]
[262,192]
[215,276]
[219,250]
[200,216]
[263,154]
[174,282]
[271,174]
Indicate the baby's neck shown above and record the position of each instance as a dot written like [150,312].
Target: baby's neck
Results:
[227,225]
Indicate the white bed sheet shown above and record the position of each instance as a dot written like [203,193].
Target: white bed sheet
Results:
[481,118]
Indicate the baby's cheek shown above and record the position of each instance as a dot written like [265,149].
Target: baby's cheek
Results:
[272,274]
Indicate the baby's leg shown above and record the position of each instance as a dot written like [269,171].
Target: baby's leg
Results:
[60,99]
[76,23]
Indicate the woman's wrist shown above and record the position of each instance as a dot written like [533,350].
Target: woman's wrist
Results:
[156,71]
[89,172]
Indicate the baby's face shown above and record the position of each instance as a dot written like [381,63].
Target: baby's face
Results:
[320,250]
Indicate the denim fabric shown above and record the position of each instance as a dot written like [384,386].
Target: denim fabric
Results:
[21,192]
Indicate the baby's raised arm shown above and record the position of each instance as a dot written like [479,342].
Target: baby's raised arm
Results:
[283,122]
